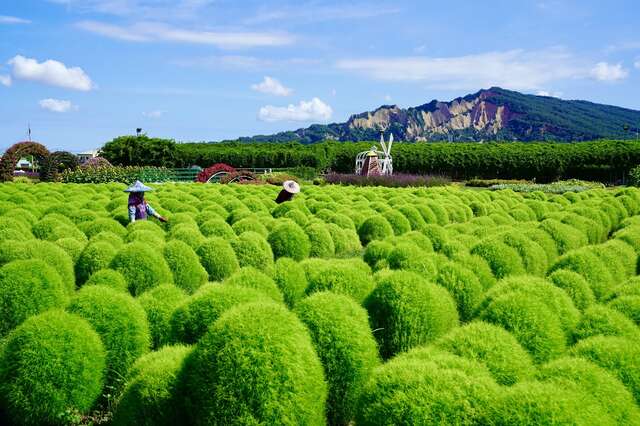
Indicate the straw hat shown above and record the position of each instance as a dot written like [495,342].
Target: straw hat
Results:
[138,187]
[291,186]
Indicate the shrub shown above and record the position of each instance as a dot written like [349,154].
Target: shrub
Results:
[108,237]
[605,388]
[411,391]
[408,256]
[142,267]
[148,237]
[159,304]
[590,267]
[342,338]
[192,318]
[345,241]
[103,225]
[374,228]
[339,277]
[235,377]
[377,251]
[188,273]
[54,362]
[601,320]
[253,250]
[502,259]
[628,306]
[565,237]
[287,239]
[321,242]
[533,256]
[28,287]
[108,278]
[250,224]
[491,346]
[536,327]
[217,228]
[290,278]
[218,258]
[618,355]
[121,323]
[575,286]
[408,311]
[71,246]
[94,257]
[150,397]
[252,278]
[464,287]
[535,403]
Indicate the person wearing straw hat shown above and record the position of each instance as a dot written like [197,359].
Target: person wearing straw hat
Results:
[139,209]
[289,189]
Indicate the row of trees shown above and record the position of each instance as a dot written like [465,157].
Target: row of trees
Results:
[606,161]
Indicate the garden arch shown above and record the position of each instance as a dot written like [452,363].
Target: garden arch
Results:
[17,151]
[54,162]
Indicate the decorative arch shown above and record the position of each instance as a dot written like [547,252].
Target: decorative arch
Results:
[15,152]
[56,162]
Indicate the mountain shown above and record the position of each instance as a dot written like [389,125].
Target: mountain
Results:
[491,114]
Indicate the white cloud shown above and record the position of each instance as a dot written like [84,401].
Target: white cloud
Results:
[152,9]
[313,110]
[549,94]
[310,12]
[387,98]
[153,114]
[5,80]
[156,32]
[515,69]
[271,86]
[637,64]
[604,71]
[56,105]
[50,72]
[13,20]
[245,63]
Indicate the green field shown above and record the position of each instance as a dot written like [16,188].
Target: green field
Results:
[347,306]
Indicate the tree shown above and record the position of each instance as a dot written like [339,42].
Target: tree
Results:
[141,151]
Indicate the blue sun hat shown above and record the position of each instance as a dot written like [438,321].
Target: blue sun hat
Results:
[138,187]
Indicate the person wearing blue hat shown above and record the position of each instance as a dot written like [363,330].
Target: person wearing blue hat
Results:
[139,209]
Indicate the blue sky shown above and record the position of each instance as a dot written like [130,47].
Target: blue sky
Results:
[84,71]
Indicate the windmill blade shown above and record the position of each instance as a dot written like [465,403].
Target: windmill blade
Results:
[384,147]
[390,143]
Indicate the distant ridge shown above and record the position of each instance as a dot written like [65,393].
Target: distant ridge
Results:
[490,114]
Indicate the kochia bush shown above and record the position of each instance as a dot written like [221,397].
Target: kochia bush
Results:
[159,303]
[374,228]
[290,277]
[218,258]
[262,342]
[287,239]
[52,363]
[188,273]
[142,267]
[94,257]
[252,249]
[108,278]
[253,278]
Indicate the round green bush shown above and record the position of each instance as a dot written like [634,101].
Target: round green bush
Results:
[287,239]
[591,268]
[479,267]
[536,327]
[320,238]
[149,397]
[250,224]
[291,279]
[463,285]
[94,227]
[142,267]
[409,391]
[28,287]
[191,319]
[159,304]
[184,263]
[72,247]
[376,251]
[600,320]
[491,346]
[148,237]
[108,278]
[121,323]
[502,259]
[618,355]
[575,286]
[342,338]
[413,216]
[94,257]
[399,223]
[407,311]
[217,228]
[249,277]
[565,237]
[410,257]
[236,374]
[345,241]
[628,306]
[374,228]
[534,259]
[544,240]
[108,237]
[535,403]
[218,258]
[597,382]
[189,234]
[252,249]
[340,277]
[53,363]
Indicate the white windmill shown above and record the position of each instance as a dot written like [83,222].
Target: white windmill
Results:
[375,162]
